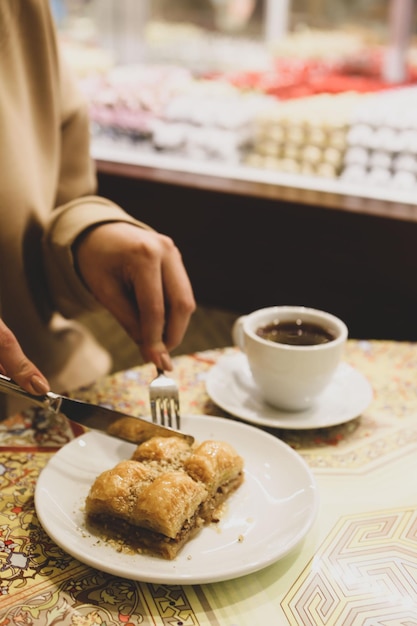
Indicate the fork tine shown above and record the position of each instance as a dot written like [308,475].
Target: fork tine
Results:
[168,412]
[154,412]
[177,414]
[176,407]
[165,411]
[164,401]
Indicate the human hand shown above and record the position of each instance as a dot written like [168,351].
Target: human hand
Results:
[139,276]
[15,364]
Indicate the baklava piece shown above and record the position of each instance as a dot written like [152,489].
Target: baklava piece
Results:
[160,498]
[218,466]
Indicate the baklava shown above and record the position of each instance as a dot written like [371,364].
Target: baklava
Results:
[165,493]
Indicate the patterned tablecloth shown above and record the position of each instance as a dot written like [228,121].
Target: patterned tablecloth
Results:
[357,565]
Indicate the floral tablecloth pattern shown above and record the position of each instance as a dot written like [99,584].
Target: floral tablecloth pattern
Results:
[357,565]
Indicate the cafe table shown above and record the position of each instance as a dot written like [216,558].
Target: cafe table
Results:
[356,564]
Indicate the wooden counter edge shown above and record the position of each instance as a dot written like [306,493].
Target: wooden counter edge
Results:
[324,199]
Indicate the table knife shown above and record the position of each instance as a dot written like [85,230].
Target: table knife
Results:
[93,416]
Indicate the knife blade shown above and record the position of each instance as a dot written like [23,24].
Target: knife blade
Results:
[121,425]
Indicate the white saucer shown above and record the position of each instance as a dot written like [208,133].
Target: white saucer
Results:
[231,386]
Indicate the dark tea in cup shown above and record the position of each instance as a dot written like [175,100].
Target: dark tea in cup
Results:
[296,333]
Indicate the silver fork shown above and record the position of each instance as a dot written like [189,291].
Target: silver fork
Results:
[164,399]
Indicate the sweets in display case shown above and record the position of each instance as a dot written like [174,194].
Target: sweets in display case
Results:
[312,108]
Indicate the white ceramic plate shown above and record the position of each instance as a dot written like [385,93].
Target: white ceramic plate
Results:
[263,520]
[231,386]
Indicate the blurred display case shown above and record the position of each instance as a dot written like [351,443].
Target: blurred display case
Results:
[314,95]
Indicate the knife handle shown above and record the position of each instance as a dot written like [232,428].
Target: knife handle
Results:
[50,401]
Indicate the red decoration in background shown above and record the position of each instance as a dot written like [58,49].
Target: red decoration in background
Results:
[297,78]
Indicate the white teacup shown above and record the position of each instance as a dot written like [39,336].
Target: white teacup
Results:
[291,377]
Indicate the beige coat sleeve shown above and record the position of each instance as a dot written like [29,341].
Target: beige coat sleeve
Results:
[76,207]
